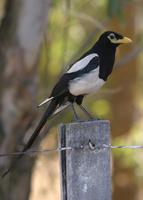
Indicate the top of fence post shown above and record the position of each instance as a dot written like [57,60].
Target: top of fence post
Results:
[85,171]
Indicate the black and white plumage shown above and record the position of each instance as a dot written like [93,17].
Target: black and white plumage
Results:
[87,75]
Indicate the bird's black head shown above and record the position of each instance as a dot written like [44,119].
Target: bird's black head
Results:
[114,39]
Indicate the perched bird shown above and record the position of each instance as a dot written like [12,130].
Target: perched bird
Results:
[85,76]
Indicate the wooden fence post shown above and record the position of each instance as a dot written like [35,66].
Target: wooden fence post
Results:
[85,171]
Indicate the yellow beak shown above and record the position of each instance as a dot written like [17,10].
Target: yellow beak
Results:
[125,40]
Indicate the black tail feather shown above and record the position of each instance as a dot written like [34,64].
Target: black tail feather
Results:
[50,110]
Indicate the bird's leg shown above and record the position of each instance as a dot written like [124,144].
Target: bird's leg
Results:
[76,118]
[85,111]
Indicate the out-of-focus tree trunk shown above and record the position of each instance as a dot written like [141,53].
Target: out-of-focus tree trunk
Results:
[123,105]
[21,33]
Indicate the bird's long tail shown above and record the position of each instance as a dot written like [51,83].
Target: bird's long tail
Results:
[50,110]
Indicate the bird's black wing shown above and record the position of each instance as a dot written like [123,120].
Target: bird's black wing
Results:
[93,64]
[77,70]
[84,65]
[62,85]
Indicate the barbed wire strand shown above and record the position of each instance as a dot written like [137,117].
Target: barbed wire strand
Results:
[123,147]
[57,149]
[35,151]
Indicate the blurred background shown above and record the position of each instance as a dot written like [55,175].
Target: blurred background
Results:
[38,40]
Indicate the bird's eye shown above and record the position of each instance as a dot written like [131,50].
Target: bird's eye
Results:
[112,36]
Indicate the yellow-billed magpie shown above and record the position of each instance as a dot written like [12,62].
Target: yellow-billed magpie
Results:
[85,76]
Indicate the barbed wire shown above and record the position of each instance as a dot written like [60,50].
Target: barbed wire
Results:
[123,147]
[32,152]
[90,146]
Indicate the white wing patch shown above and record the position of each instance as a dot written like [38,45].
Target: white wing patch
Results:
[86,84]
[82,63]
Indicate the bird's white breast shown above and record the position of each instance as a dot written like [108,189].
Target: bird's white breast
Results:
[86,84]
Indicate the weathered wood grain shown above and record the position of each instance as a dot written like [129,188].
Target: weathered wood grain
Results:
[85,172]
